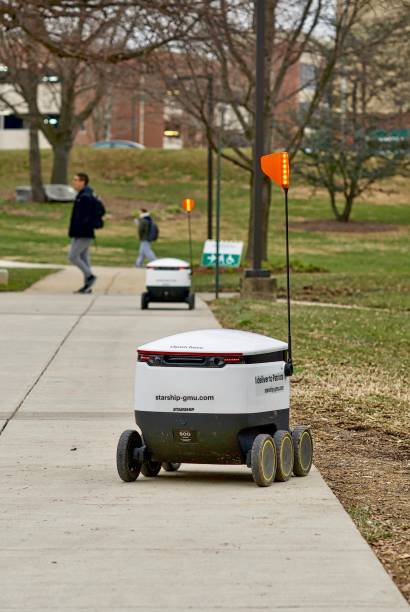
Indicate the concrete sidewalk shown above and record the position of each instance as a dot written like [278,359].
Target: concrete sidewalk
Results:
[74,537]
[117,281]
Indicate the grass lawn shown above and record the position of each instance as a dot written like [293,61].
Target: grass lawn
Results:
[351,379]
[22,278]
[333,262]
[351,386]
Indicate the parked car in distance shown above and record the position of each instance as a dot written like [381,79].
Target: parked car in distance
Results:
[117,144]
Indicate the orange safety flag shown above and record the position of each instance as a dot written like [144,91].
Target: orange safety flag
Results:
[188,204]
[276,166]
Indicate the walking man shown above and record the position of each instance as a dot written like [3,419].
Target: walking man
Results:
[145,233]
[81,229]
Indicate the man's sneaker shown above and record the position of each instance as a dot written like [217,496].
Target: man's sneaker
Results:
[84,289]
[90,282]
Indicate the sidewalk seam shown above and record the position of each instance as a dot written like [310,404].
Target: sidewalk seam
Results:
[49,362]
[110,284]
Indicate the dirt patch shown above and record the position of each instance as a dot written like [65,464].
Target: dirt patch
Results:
[368,472]
[122,209]
[363,452]
[352,227]
[20,210]
[318,293]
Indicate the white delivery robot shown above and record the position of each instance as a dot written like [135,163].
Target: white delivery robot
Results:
[214,396]
[168,280]
[218,396]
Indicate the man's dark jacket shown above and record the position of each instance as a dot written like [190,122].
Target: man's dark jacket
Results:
[82,216]
[144,226]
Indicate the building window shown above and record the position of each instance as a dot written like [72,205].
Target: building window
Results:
[12,122]
[307,76]
[172,128]
[50,78]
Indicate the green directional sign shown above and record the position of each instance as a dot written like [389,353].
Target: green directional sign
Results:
[230,253]
[209,260]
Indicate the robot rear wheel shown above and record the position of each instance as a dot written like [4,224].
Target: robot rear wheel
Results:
[284,451]
[263,460]
[144,300]
[302,450]
[191,301]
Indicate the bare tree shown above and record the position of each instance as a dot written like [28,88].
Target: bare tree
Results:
[19,93]
[346,151]
[134,27]
[77,42]
[223,42]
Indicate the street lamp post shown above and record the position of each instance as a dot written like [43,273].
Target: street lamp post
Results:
[210,95]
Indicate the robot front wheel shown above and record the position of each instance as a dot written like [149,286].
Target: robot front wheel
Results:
[131,460]
[169,466]
[128,466]
[150,469]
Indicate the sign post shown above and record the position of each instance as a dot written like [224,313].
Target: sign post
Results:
[188,205]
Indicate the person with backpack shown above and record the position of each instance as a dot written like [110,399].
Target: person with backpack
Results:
[86,216]
[148,232]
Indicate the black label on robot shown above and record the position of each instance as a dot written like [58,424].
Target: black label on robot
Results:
[185,436]
[183,409]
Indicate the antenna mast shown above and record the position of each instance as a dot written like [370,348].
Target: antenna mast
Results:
[289,364]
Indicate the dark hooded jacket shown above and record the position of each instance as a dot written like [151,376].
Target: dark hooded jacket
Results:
[144,227]
[82,215]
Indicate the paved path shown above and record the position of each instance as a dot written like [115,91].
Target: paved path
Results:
[74,537]
[125,281]
[9,263]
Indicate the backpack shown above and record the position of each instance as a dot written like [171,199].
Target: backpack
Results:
[99,212]
[153,231]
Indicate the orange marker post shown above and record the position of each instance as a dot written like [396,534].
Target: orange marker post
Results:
[276,166]
[188,204]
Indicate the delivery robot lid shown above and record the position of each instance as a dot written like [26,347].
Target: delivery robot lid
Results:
[215,342]
[168,262]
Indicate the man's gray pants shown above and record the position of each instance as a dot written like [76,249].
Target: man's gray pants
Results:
[79,255]
[144,252]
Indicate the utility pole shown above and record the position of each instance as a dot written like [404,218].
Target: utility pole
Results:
[258,137]
[257,281]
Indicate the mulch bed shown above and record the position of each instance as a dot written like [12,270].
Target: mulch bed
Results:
[352,227]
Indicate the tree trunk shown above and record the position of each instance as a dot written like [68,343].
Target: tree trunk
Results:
[343,216]
[61,153]
[332,195]
[347,210]
[36,180]
[266,198]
